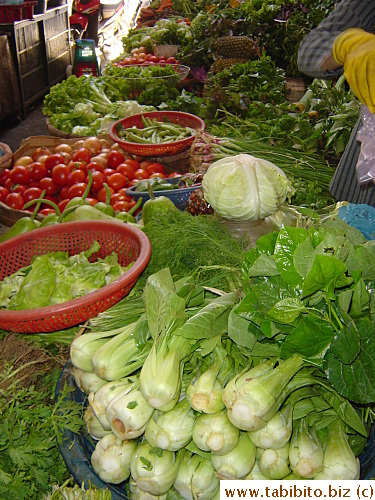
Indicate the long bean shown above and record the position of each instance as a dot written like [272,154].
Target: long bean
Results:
[154,132]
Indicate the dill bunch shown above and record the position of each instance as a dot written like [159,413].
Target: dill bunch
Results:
[199,246]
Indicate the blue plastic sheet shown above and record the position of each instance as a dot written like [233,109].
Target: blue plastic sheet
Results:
[362,217]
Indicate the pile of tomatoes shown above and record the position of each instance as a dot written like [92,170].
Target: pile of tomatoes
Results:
[141,55]
[63,174]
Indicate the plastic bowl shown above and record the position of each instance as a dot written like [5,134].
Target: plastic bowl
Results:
[130,244]
[162,149]
[179,196]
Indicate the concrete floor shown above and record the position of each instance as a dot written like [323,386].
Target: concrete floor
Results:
[13,129]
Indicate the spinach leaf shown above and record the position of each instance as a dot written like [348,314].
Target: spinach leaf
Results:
[350,362]
[288,240]
[310,338]
[323,275]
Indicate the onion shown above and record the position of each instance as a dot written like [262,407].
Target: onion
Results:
[63,148]
[118,148]
[42,159]
[78,144]
[41,151]
[93,144]
[106,143]
[100,159]
[67,156]
[23,161]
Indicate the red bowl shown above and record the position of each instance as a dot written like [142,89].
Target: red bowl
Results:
[130,244]
[162,149]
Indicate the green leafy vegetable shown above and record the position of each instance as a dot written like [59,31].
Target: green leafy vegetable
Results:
[319,308]
[55,278]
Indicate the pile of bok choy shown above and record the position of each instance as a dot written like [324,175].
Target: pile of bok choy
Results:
[206,386]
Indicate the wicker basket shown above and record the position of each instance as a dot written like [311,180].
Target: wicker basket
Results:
[130,244]
[5,156]
[161,149]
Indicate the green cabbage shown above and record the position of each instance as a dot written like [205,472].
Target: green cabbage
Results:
[243,187]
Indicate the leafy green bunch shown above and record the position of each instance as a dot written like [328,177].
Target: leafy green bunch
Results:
[235,87]
[310,292]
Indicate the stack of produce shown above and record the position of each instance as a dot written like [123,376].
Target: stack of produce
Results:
[229,50]
[247,384]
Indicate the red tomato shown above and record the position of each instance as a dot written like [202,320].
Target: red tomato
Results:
[47,211]
[77,190]
[76,176]
[174,174]
[91,201]
[49,185]
[82,154]
[64,192]
[117,181]
[38,170]
[20,175]
[62,204]
[20,188]
[33,184]
[133,163]
[53,160]
[14,200]
[171,60]
[4,175]
[118,197]
[8,184]
[145,164]
[124,195]
[153,59]
[114,159]
[32,193]
[77,165]
[3,193]
[159,175]
[126,170]
[156,168]
[108,171]
[101,195]
[98,179]
[60,174]
[121,206]
[94,167]
[141,173]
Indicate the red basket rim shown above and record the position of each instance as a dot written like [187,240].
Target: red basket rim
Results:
[155,114]
[92,297]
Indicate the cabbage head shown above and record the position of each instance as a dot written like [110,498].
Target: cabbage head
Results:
[243,187]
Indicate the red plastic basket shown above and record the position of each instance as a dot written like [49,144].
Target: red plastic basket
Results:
[11,13]
[164,148]
[130,244]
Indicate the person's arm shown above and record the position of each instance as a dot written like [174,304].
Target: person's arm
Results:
[315,57]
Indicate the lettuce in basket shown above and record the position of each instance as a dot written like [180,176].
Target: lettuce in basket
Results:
[55,278]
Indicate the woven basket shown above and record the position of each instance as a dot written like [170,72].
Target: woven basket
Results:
[5,156]
[130,244]
[58,133]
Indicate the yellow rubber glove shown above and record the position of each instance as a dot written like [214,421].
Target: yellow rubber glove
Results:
[354,49]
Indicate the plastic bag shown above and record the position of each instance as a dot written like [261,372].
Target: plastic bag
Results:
[365,168]
[360,216]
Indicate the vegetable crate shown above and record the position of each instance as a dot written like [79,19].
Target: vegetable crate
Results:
[12,13]
[129,243]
